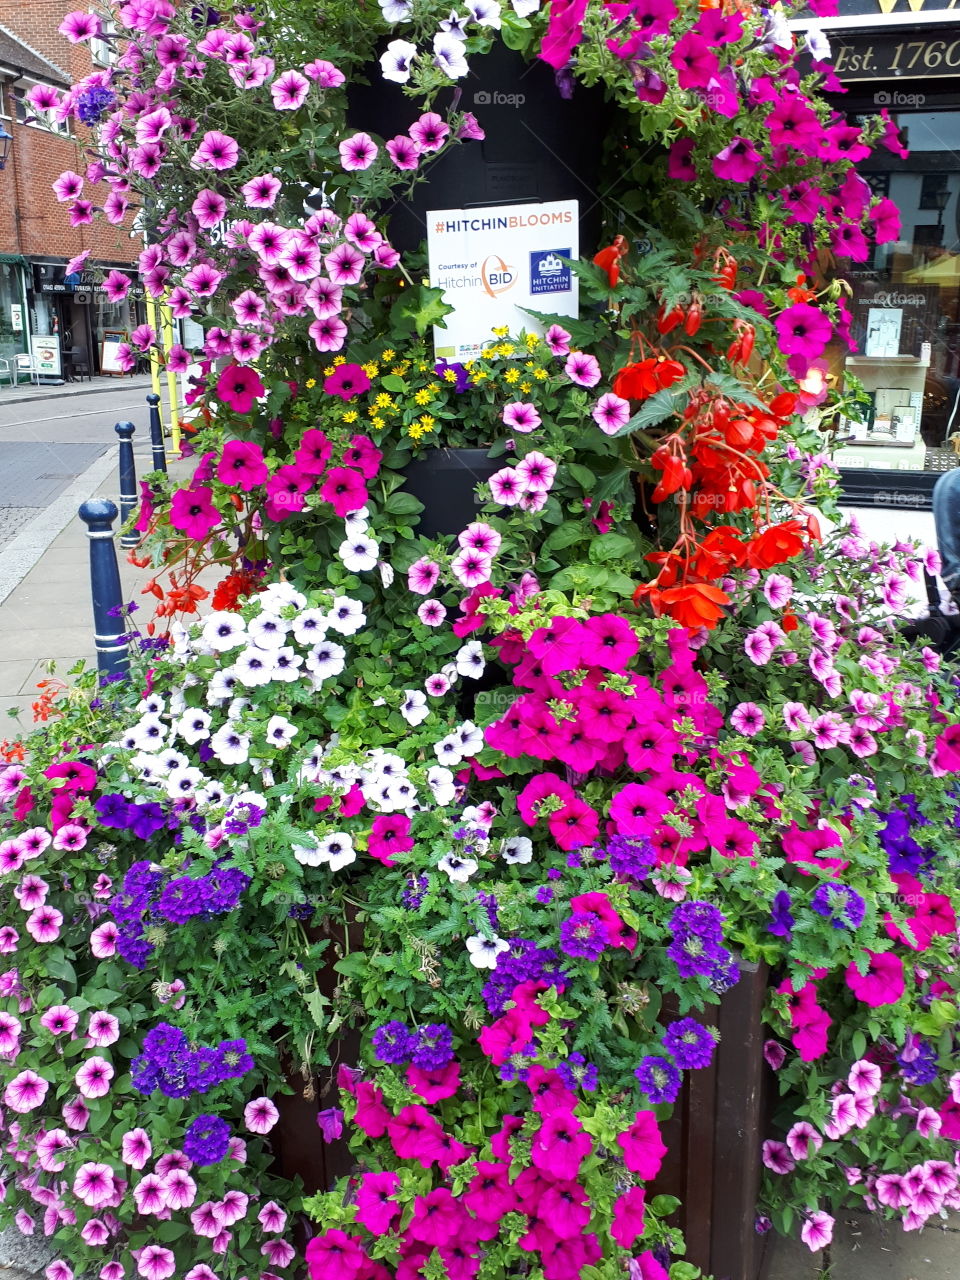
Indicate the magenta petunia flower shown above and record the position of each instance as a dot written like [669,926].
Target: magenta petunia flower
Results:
[471,567]
[582,369]
[738,161]
[360,231]
[536,472]
[324,73]
[429,132]
[324,298]
[116,285]
[301,257]
[79,26]
[777,1157]
[803,330]
[93,1078]
[260,1115]
[817,1230]
[81,213]
[521,416]
[135,1148]
[60,1020]
[680,164]
[433,614]
[192,512]
[344,489]
[328,334]
[103,1029]
[208,208]
[156,1263]
[25,1092]
[883,981]
[202,280]
[216,151]
[747,718]
[43,923]
[558,340]
[610,413]
[357,152]
[93,1183]
[344,264]
[289,91]
[76,1114]
[422,576]
[239,387]
[694,61]
[506,487]
[261,192]
[103,940]
[404,152]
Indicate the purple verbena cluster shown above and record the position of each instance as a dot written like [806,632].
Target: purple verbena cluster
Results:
[524,962]
[169,1063]
[207,1140]
[697,946]
[430,1048]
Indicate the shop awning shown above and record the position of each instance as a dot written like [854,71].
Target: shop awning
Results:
[15,259]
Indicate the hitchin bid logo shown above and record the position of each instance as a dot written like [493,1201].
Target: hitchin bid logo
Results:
[497,276]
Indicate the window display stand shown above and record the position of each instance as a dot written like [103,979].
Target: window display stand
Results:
[869,450]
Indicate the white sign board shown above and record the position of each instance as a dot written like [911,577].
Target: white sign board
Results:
[16,317]
[46,354]
[492,262]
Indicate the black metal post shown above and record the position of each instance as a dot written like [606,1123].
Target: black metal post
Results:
[128,480]
[156,433]
[109,630]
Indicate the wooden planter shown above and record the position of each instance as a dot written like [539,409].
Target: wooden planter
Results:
[715,1135]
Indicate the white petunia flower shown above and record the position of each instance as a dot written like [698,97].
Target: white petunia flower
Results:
[278,595]
[288,664]
[455,25]
[128,741]
[358,553]
[144,765]
[386,764]
[193,726]
[309,855]
[414,708]
[485,951]
[486,13]
[356,521]
[458,869]
[150,734]
[337,850]
[469,660]
[210,796]
[448,750]
[449,54]
[237,708]
[221,687]
[524,8]
[224,631]
[442,783]
[182,783]
[395,64]
[449,669]
[170,759]
[268,631]
[280,732]
[346,615]
[230,746]
[254,667]
[395,10]
[470,738]
[326,660]
[387,573]
[310,626]
[153,705]
[516,850]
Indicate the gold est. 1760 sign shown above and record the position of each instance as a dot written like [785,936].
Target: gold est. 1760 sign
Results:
[903,56]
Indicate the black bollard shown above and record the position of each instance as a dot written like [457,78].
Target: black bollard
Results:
[128,480]
[109,630]
[156,434]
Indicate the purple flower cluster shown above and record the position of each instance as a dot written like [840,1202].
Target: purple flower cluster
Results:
[632,857]
[583,935]
[430,1048]
[91,105]
[905,855]
[577,1073]
[690,1044]
[148,897]
[524,962]
[659,1079]
[781,918]
[918,1062]
[207,1140]
[842,905]
[697,947]
[415,891]
[170,1064]
[141,820]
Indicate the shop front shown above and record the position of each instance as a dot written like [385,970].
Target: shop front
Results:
[72,314]
[903,58]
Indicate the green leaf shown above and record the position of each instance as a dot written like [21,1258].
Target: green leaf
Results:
[663,1206]
[564,535]
[393,382]
[583,475]
[611,546]
[401,503]
[662,405]
[859,1044]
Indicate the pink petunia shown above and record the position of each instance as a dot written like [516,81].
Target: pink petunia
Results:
[582,369]
[357,152]
[610,413]
[93,1077]
[404,152]
[289,91]
[25,1092]
[260,1115]
[60,1020]
[521,417]
[43,924]
[261,192]
[135,1148]
[216,151]
[156,1263]
[93,1183]
[209,208]
[103,940]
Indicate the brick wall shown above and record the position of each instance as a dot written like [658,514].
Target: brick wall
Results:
[37,158]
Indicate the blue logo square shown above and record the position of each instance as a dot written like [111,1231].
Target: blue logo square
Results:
[548,272]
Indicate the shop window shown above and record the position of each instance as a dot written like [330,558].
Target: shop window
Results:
[906,314]
[23,113]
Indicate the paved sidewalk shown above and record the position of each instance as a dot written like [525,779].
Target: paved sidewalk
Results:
[29,392]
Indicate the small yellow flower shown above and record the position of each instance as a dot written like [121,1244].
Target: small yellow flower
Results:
[422,396]
[526,387]
[501,332]
[532,341]
[387,355]
[351,415]
[433,387]
[423,367]
[540,374]
[427,422]
[506,349]
[400,369]
[512,375]
[528,364]
[370,369]
[310,383]
[383,401]
[488,352]
[377,422]
[415,430]
[328,370]
[479,375]
[469,365]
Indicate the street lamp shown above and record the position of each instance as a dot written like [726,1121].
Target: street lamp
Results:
[5,140]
